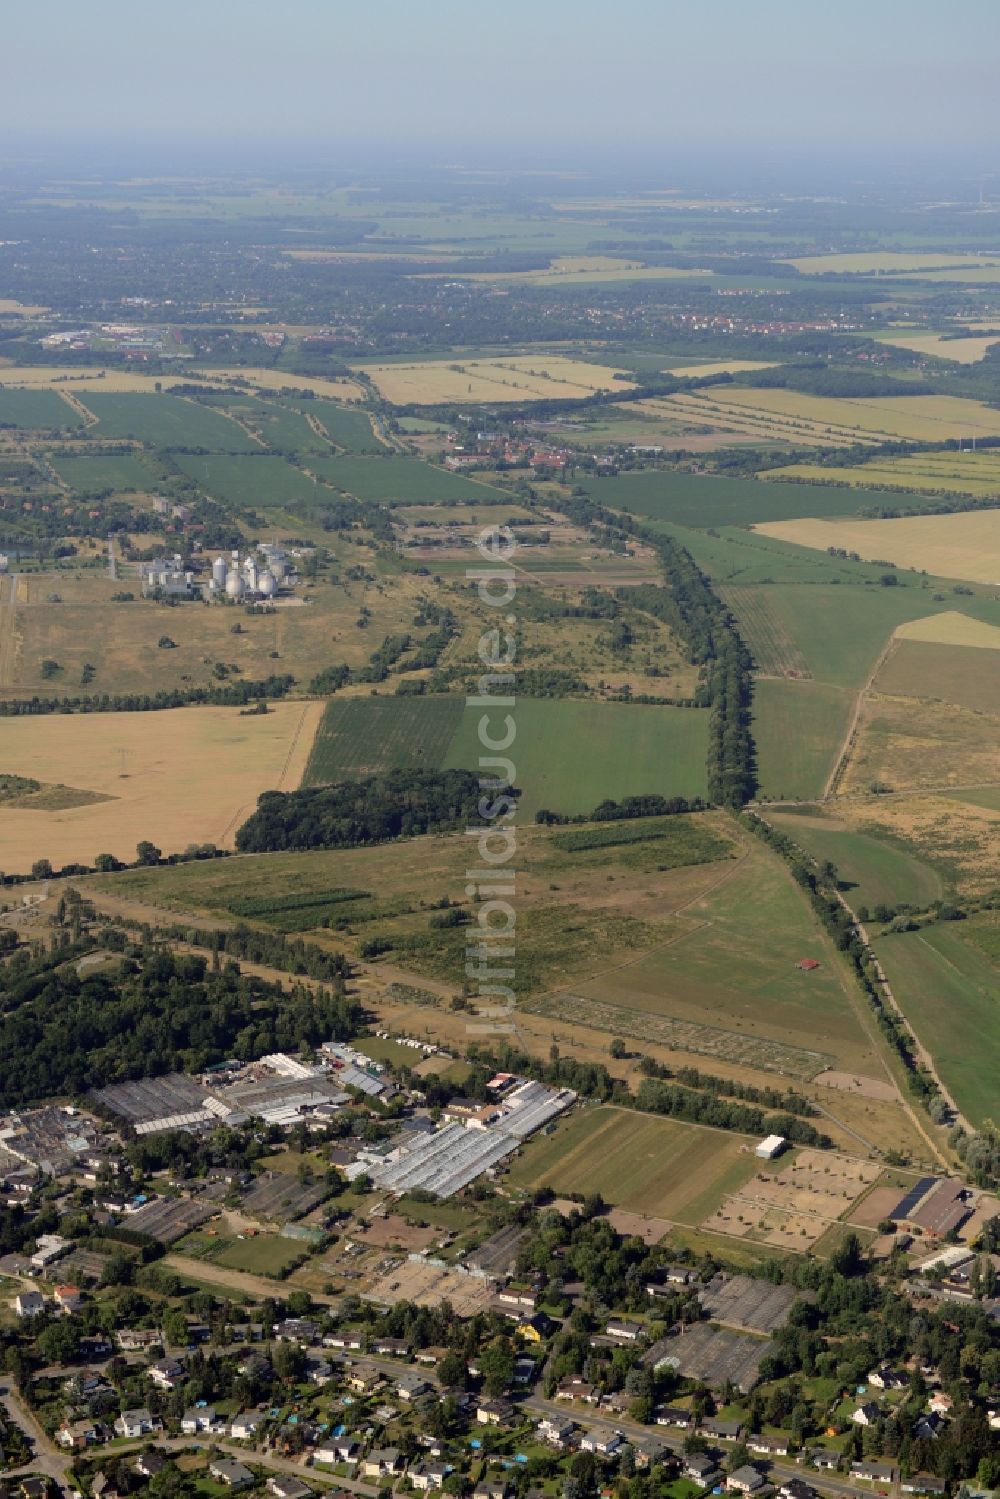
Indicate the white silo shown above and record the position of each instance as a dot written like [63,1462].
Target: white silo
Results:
[266,584]
[219,572]
[250,568]
[235,586]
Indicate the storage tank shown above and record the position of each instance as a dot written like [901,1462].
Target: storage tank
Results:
[235,586]
[219,572]
[250,568]
[266,583]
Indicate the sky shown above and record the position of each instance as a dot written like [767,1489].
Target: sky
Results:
[551,79]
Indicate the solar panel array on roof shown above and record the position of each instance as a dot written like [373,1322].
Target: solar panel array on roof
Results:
[904,1207]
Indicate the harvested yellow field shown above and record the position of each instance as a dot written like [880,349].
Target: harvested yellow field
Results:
[966,545]
[951,627]
[10,307]
[520,378]
[887,262]
[737,412]
[720,367]
[960,473]
[44,377]
[961,350]
[276,380]
[911,744]
[185,775]
[925,418]
[115,382]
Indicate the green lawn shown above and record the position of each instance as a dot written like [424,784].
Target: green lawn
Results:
[661,1167]
[947,987]
[167,422]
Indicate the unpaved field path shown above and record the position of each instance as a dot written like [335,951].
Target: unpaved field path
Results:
[8,621]
[258,1286]
[840,764]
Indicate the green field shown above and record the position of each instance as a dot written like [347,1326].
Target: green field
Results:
[361,735]
[797,729]
[402,481]
[707,500]
[946,986]
[248,479]
[284,430]
[36,410]
[572,755]
[733,972]
[120,472]
[659,1167]
[167,422]
[351,430]
[630,749]
[872,870]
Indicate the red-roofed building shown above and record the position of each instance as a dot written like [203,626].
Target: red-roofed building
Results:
[807,964]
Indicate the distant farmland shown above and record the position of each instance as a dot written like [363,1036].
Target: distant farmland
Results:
[39,410]
[705,500]
[349,429]
[120,472]
[249,479]
[407,481]
[166,422]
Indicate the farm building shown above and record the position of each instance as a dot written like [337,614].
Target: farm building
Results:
[770,1147]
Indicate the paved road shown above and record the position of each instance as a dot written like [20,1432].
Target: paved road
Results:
[780,1472]
[47,1459]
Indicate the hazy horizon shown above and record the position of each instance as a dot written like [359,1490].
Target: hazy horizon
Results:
[560,82]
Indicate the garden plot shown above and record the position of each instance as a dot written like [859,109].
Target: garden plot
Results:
[276,1196]
[170,1218]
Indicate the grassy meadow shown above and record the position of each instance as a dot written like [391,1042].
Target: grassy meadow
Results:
[946,985]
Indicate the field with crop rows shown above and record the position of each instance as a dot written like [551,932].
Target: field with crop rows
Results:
[659,1167]
[406,481]
[362,735]
[937,473]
